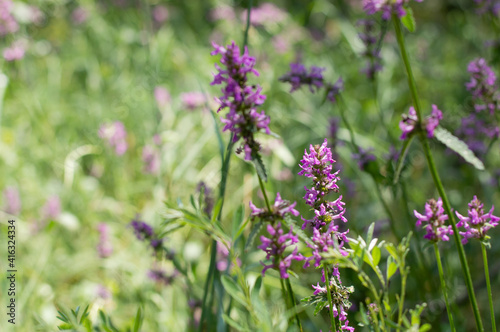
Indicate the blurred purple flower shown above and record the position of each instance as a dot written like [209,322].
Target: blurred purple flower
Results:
[104,247]
[160,14]
[208,199]
[79,15]
[116,135]
[387,7]
[485,6]
[433,121]
[103,292]
[299,76]
[151,160]
[477,223]
[162,96]
[409,124]
[482,86]
[242,120]
[364,158]
[52,208]
[14,52]
[161,277]
[8,23]
[433,221]
[265,13]
[279,209]
[12,203]
[222,13]
[370,36]
[222,258]
[193,100]
[275,246]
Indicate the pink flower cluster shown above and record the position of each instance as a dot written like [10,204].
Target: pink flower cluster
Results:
[242,120]
[434,219]
[387,7]
[8,23]
[482,86]
[116,136]
[409,124]
[477,223]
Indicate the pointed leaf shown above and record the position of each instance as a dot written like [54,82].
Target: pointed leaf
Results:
[233,289]
[238,217]
[259,166]
[455,144]
[319,307]
[233,323]
[139,317]
[253,234]
[376,254]
[408,20]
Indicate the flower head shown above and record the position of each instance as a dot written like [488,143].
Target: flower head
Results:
[477,223]
[387,7]
[369,36]
[410,124]
[433,221]
[115,135]
[144,232]
[274,246]
[52,208]
[243,119]
[151,159]
[483,86]
[12,203]
[104,247]
[8,23]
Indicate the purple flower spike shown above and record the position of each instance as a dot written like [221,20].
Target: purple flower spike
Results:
[369,36]
[477,223]
[278,210]
[433,221]
[8,23]
[243,120]
[144,232]
[387,7]
[482,86]
[299,76]
[274,247]
[410,125]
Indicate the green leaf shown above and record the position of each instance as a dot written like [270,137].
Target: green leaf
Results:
[376,254]
[253,234]
[320,306]
[259,166]
[455,144]
[233,289]
[426,327]
[217,209]
[391,267]
[369,235]
[233,323]
[408,20]
[257,286]
[238,218]
[139,317]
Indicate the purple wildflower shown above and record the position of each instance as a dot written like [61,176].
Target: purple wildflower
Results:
[410,125]
[116,136]
[144,232]
[12,203]
[340,298]
[193,100]
[14,51]
[369,36]
[103,292]
[278,210]
[364,158]
[79,15]
[387,7]
[222,257]
[485,6]
[104,247]
[8,23]
[160,14]
[318,165]
[151,159]
[208,199]
[242,120]
[52,208]
[433,220]
[275,246]
[482,86]
[474,130]
[161,277]
[477,223]
[162,96]
[265,13]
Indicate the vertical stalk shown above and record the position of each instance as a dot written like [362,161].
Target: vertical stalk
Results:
[293,302]
[435,175]
[329,294]
[404,276]
[488,286]
[443,287]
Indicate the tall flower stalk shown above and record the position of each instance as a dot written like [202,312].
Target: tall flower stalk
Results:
[435,175]
[433,220]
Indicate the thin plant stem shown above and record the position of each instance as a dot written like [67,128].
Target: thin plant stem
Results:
[210,274]
[488,286]
[293,302]
[329,295]
[435,175]
[392,222]
[443,287]
[404,276]
[263,190]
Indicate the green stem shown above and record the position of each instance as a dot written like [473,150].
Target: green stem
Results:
[329,295]
[488,286]
[263,189]
[210,274]
[294,303]
[404,276]
[435,175]
[392,222]
[443,287]
[249,9]
[347,124]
